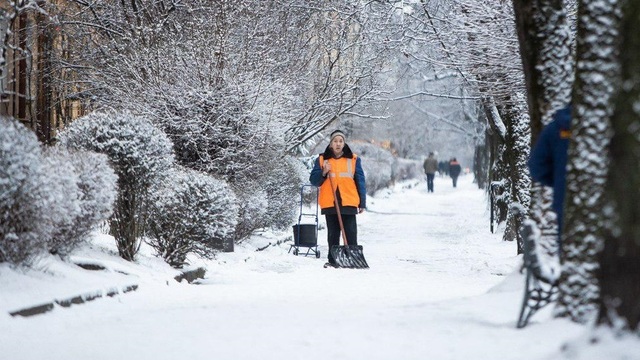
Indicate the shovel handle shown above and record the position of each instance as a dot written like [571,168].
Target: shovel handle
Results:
[335,203]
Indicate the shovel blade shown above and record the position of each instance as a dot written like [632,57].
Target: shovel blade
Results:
[349,256]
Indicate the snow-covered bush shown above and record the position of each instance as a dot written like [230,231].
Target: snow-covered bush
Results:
[378,165]
[271,199]
[303,167]
[64,208]
[23,199]
[97,182]
[282,186]
[191,212]
[84,186]
[214,130]
[139,153]
[405,169]
[252,210]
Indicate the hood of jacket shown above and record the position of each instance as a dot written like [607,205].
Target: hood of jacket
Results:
[346,152]
[563,118]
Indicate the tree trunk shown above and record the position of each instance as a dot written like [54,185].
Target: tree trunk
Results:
[496,134]
[510,126]
[620,259]
[22,71]
[128,220]
[44,104]
[545,48]
[596,78]
[517,141]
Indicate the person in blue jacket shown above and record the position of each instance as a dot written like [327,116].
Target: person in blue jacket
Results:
[548,160]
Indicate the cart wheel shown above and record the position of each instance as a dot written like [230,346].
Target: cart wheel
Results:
[318,254]
[295,252]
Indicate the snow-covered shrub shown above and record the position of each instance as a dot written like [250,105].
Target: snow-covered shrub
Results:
[84,186]
[306,165]
[97,182]
[191,212]
[282,186]
[271,199]
[64,192]
[23,199]
[405,169]
[139,153]
[252,210]
[303,167]
[214,130]
[378,165]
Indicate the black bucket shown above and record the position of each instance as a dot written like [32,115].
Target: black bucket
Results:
[308,235]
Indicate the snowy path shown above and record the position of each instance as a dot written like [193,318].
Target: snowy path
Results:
[426,296]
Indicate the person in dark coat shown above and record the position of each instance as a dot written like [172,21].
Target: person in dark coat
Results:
[430,166]
[548,159]
[454,170]
[443,168]
[339,169]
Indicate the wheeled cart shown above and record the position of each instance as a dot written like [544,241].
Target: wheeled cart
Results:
[306,235]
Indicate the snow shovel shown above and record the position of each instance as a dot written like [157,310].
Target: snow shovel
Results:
[346,256]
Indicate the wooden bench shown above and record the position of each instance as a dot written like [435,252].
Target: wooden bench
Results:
[540,288]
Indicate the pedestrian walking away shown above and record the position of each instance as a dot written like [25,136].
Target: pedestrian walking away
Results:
[339,171]
[454,171]
[430,167]
[443,168]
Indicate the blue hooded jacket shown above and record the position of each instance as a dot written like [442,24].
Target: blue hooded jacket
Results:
[548,161]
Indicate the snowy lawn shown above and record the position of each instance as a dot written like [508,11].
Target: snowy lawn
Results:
[440,286]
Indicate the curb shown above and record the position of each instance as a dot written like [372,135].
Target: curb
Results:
[79,299]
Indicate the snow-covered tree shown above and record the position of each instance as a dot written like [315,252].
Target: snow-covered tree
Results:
[620,258]
[545,47]
[213,132]
[517,145]
[225,113]
[302,63]
[478,41]
[139,153]
[596,80]
[426,107]
[24,228]
[191,213]
[26,43]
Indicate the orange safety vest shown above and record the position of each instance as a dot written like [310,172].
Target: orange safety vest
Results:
[342,173]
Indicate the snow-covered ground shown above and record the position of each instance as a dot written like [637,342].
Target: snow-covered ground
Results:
[440,286]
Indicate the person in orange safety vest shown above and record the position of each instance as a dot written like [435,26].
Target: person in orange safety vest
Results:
[345,169]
